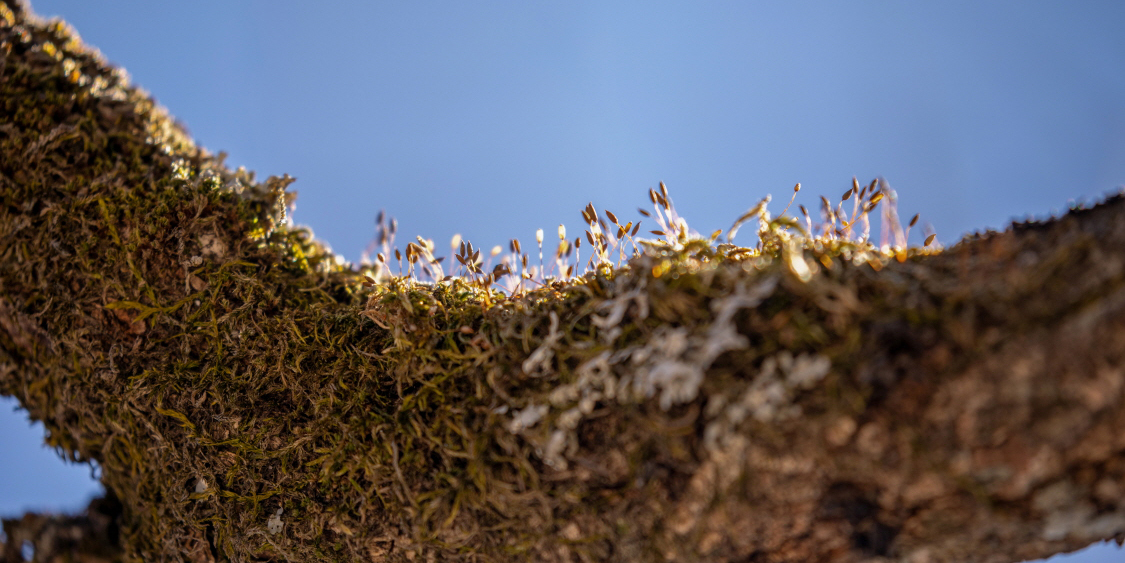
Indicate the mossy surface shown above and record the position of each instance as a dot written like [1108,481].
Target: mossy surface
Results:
[249,397]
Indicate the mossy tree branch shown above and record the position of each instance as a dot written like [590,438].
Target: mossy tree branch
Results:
[249,398]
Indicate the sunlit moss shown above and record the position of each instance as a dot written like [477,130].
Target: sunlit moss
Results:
[248,395]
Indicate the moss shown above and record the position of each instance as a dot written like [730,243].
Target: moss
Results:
[248,395]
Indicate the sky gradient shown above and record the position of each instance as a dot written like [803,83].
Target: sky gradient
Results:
[494,119]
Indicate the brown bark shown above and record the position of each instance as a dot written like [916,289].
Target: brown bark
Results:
[246,398]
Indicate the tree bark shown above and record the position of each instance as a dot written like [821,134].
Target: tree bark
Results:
[247,397]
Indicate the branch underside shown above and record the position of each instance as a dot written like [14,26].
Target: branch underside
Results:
[247,398]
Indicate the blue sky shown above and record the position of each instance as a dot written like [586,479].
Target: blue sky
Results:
[493,119]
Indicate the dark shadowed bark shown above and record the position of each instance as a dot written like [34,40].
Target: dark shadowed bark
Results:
[248,398]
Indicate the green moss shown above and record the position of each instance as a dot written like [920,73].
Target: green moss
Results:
[221,365]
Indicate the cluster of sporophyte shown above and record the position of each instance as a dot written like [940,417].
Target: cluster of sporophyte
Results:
[428,299]
[838,231]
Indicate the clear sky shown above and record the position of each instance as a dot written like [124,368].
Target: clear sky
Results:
[493,119]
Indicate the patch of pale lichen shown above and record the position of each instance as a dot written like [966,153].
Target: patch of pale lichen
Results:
[247,395]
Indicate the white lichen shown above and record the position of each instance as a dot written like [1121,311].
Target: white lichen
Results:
[769,397]
[569,419]
[618,306]
[539,362]
[527,418]
[670,367]
[274,525]
[674,361]
[807,370]
[212,245]
[678,382]
[780,376]
[553,453]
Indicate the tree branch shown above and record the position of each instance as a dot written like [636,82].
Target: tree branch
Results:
[247,397]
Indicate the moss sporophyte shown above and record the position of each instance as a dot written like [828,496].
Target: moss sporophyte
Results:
[668,364]
[249,395]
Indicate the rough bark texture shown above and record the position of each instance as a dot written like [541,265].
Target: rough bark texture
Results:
[249,399]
